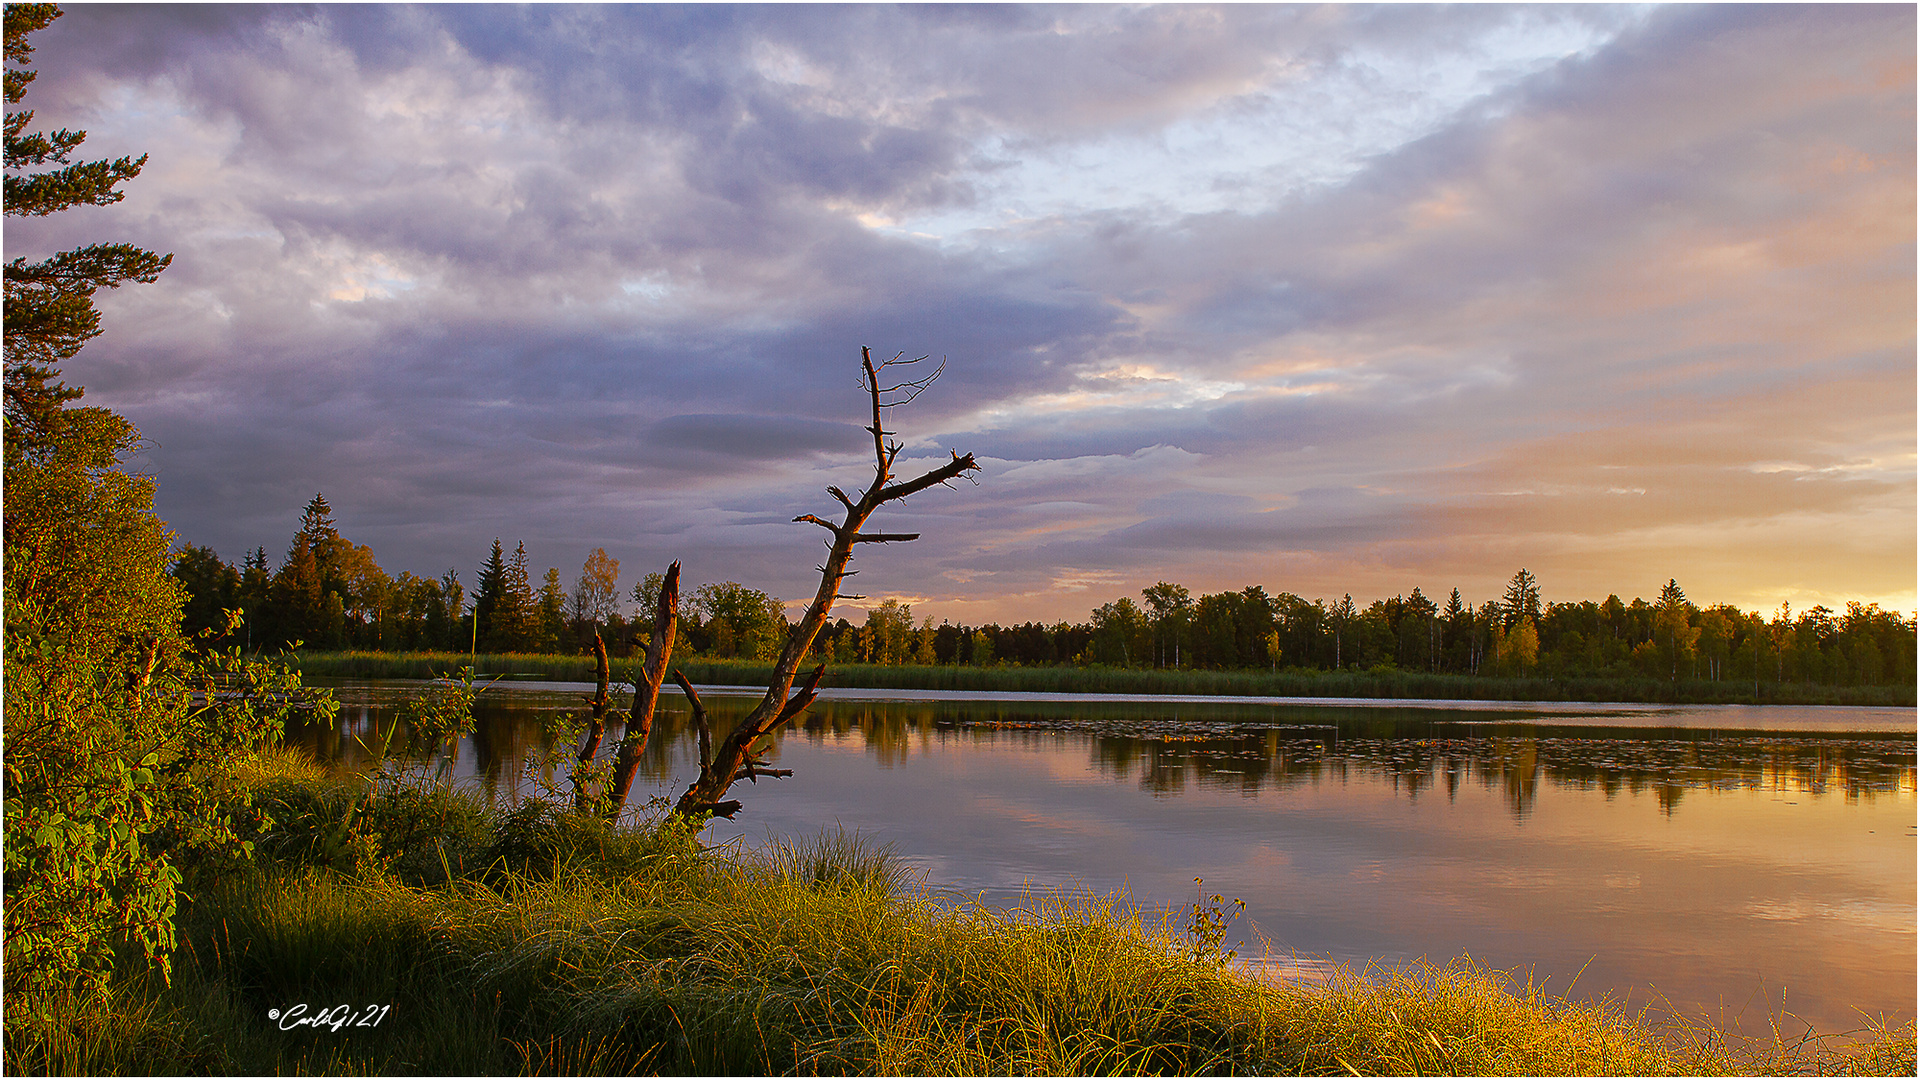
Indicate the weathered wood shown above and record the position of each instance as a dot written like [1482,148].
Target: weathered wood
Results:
[700,724]
[601,701]
[646,691]
[780,704]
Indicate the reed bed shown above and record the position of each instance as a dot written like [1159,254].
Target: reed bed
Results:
[1110,680]
[563,945]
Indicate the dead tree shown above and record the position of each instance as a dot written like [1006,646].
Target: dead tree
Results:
[646,691]
[734,759]
[602,704]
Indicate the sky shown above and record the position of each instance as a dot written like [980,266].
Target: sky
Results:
[1333,300]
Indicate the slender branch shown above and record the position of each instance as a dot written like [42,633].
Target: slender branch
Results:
[822,522]
[884,538]
[699,718]
[755,769]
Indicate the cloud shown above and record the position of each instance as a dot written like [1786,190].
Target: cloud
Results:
[1333,299]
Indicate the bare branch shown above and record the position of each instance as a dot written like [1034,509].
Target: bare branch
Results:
[699,718]
[753,770]
[801,698]
[958,466]
[913,388]
[732,757]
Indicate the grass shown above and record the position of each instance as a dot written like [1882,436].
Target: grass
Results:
[536,941]
[1082,680]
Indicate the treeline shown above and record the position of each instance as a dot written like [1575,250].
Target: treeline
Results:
[330,594]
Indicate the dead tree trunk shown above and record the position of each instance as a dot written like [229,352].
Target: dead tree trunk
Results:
[646,691]
[601,701]
[734,759]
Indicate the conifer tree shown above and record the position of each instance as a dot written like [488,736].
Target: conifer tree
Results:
[552,612]
[488,589]
[308,578]
[49,303]
[1522,602]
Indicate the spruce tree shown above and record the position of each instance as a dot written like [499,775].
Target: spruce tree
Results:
[308,578]
[553,612]
[488,590]
[1522,602]
[515,620]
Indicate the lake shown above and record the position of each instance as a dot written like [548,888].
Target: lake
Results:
[1735,861]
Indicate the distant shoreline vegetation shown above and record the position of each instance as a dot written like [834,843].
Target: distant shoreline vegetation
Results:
[331,595]
[1377,683]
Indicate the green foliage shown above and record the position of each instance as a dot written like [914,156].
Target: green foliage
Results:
[111,791]
[443,710]
[211,588]
[743,622]
[120,744]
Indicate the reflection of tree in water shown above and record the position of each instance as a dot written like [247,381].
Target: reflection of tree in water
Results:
[1167,749]
[1516,765]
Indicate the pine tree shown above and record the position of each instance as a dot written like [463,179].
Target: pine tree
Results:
[49,304]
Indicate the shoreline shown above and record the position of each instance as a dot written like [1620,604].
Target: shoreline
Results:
[1393,687]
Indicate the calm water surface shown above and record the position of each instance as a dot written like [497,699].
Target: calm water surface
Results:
[1730,859]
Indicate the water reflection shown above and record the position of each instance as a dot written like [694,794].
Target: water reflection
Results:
[1415,753]
[1703,864]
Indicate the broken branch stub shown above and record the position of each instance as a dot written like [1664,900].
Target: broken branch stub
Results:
[780,703]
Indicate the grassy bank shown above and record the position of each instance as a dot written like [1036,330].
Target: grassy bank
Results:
[1104,680]
[531,941]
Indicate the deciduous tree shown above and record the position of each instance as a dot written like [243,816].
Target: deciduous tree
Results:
[596,594]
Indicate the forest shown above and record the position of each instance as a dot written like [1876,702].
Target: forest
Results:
[329,593]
